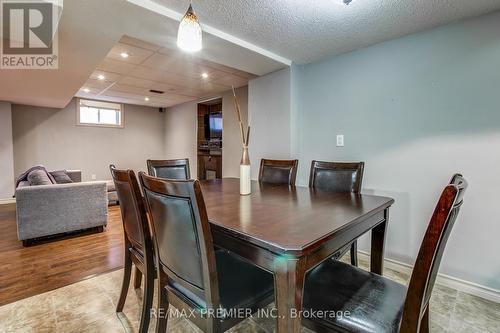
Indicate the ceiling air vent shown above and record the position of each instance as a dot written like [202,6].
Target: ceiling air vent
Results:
[156,91]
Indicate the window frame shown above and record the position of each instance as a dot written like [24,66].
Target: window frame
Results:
[79,123]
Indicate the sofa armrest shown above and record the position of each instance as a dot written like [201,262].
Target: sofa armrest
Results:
[51,209]
[75,175]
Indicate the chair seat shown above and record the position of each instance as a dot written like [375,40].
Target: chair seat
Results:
[138,253]
[375,303]
[241,285]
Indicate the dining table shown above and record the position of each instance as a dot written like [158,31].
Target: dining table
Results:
[289,230]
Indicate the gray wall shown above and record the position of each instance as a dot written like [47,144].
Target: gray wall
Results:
[231,137]
[269,111]
[181,132]
[416,110]
[6,152]
[51,137]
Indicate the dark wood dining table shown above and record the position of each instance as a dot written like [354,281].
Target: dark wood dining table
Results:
[290,230]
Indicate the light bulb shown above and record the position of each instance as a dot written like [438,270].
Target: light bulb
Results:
[189,36]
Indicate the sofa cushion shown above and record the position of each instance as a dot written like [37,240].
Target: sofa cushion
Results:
[24,183]
[39,177]
[61,177]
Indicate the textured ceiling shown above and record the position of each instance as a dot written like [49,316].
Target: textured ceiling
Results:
[152,67]
[308,30]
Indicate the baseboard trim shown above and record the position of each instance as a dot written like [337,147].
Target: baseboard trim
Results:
[444,280]
[7,201]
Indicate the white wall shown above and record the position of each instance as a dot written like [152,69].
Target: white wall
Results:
[269,111]
[416,110]
[6,152]
[181,132]
[51,137]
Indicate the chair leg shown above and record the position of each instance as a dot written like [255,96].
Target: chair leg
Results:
[213,326]
[162,311]
[424,324]
[147,301]
[137,278]
[354,253]
[126,281]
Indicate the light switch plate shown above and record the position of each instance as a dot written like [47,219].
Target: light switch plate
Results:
[340,140]
[94,177]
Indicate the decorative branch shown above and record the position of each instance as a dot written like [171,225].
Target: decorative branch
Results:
[248,135]
[244,137]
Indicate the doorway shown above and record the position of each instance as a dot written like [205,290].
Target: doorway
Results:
[210,128]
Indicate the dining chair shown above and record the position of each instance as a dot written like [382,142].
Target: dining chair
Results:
[282,172]
[374,303]
[338,177]
[138,242]
[169,169]
[192,274]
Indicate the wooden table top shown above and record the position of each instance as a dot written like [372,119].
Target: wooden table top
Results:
[282,218]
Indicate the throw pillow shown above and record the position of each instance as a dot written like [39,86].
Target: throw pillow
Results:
[38,177]
[61,177]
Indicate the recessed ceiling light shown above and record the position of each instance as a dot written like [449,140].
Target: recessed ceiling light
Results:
[124,55]
[146,99]
[87,90]
[101,77]
[204,75]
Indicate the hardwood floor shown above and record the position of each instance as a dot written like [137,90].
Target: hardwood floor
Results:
[28,271]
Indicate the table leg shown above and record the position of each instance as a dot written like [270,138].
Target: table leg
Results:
[289,277]
[378,243]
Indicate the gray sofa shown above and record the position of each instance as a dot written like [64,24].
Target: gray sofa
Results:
[47,210]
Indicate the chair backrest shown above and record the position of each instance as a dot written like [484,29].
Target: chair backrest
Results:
[182,238]
[133,209]
[430,254]
[169,169]
[278,171]
[336,176]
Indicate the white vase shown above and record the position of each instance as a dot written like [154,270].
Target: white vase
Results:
[245,174]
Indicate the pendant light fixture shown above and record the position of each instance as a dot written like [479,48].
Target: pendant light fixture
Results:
[189,36]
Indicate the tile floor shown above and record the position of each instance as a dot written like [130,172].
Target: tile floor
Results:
[89,306]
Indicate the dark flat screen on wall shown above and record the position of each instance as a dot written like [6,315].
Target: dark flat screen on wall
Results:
[215,124]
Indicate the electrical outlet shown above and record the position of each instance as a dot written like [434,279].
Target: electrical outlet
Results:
[340,140]
[93,177]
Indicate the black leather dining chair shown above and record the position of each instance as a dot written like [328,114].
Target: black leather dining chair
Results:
[374,303]
[138,242]
[282,172]
[192,274]
[169,169]
[338,177]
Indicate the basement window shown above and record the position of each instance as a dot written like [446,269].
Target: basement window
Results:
[97,113]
